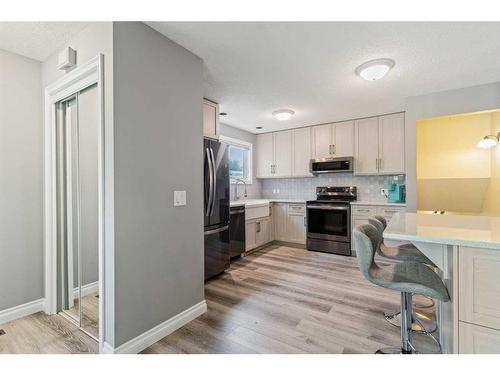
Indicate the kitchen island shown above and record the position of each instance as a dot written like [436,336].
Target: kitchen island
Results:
[466,253]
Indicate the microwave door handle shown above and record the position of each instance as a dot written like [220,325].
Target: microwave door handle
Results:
[211,182]
[214,190]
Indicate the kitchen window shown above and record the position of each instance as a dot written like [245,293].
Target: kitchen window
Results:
[240,159]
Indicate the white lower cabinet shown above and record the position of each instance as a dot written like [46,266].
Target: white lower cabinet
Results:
[258,231]
[262,231]
[479,300]
[290,222]
[479,286]
[361,213]
[250,235]
[474,339]
[280,219]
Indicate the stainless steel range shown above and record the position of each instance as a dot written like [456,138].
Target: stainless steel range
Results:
[329,219]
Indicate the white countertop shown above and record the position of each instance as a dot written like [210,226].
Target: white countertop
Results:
[368,203]
[462,230]
[263,202]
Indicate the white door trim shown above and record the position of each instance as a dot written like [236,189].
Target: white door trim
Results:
[84,76]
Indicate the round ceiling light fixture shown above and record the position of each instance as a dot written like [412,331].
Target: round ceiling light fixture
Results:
[373,70]
[283,114]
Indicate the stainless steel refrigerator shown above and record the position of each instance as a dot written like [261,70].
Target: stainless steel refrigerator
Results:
[216,180]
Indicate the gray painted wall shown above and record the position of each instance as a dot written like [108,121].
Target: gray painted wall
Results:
[451,102]
[253,190]
[21,238]
[158,90]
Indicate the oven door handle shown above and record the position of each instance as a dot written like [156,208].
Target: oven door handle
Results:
[332,208]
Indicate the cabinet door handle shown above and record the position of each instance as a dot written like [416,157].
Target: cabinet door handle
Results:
[333,149]
[380,165]
[258,227]
[305,222]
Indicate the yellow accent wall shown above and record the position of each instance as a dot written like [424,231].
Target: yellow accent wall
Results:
[447,147]
[453,174]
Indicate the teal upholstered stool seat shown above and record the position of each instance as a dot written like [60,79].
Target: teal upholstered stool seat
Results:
[406,277]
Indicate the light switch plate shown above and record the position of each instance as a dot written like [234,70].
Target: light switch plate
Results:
[179,198]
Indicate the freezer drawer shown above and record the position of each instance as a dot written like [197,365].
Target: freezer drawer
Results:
[216,251]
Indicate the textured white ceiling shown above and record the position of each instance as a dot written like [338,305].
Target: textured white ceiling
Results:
[252,69]
[37,40]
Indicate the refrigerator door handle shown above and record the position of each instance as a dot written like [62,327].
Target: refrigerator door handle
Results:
[218,230]
[211,182]
[214,179]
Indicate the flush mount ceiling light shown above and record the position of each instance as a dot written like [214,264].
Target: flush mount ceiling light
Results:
[489,141]
[374,69]
[283,114]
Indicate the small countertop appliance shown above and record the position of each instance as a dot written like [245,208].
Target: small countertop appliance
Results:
[396,193]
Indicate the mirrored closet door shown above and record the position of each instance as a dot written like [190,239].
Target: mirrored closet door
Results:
[77,174]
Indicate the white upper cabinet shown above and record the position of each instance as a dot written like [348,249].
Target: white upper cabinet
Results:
[210,118]
[376,143]
[366,146]
[333,140]
[283,154]
[265,155]
[301,139]
[379,145]
[391,144]
[274,154]
[343,139]
[322,141]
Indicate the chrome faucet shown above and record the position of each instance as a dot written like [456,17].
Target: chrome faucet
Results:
[236,180]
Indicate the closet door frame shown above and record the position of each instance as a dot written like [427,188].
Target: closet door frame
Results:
[80,78]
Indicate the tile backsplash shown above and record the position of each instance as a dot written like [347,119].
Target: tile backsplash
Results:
[254,190]
[305,188]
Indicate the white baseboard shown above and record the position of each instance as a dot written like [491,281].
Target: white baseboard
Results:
[87,289]
[21,311]
[148,338]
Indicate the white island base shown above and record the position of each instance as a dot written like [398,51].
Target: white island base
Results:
[466,251]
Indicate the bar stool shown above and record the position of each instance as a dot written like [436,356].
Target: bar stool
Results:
[406,253]
[407,277]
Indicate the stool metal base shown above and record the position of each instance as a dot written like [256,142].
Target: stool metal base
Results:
[394,351]
[420,322]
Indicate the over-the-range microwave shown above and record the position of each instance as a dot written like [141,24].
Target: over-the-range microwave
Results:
[332,165]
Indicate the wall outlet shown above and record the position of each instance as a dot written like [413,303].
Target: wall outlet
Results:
[179,198]
[384,192]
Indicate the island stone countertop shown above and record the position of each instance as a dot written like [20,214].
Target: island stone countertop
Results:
[460,230]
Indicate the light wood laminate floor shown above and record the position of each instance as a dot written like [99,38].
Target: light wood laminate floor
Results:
[90,313]
[277,300]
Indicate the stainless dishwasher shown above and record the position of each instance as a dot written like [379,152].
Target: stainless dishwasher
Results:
[237,231]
